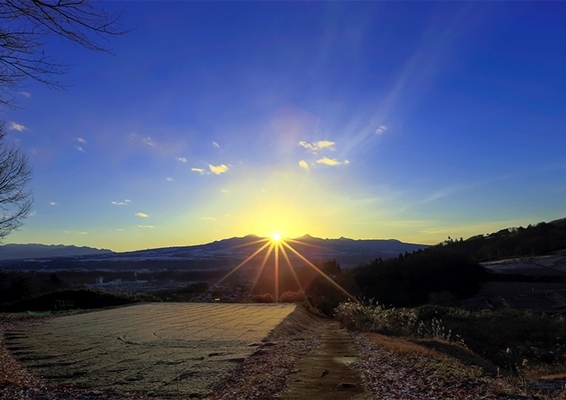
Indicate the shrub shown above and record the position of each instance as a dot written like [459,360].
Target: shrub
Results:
[79,298]
[510,339]
[291,297]
[263,298]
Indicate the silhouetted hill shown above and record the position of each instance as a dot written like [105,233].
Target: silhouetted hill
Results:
[534,240]
[34,251]
[449,271]
[226,253]
[348,252]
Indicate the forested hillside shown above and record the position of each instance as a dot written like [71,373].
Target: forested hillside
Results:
[449,271]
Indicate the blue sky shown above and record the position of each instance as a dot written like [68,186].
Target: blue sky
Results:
[407,120]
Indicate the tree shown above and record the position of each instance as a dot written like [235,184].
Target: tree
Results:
[26,24]
[15,201]
[24,27]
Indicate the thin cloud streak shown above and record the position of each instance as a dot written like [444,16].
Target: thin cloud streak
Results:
[122,203]
[17,127]
[317,146]
[332,162]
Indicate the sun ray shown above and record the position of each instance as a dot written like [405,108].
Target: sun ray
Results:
[276,278]
[255,253]
[262,266]
[278,246]
[293,273]
[303,243]
[260,240]
[310,264]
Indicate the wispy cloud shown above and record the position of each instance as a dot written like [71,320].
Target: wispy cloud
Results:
[199,170]
[17,127]
[218,169]
[208,218]
[169,179]
[32,214]
[122,203]
[82,143]
[148,141]
[182,159]
[25,94]
[145,140]
[223,190]
[303,164]
[457,188]
[52,203]
[413,80]
[332,161]
[215,144]
[317,146]
[141,215]
[146,226]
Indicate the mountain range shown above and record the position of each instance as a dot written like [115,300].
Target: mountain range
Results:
[348,252]
[33,251]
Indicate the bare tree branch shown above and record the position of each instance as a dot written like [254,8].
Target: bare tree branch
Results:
[15,174]
[24,27]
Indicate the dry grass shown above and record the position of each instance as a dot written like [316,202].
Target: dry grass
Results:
[402,346]
[448,363]
[425,353]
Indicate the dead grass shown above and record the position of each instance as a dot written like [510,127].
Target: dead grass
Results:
[441,358]
[401,346]
[448,362]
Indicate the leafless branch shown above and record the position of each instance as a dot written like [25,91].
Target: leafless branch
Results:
[15,174]
[26,24]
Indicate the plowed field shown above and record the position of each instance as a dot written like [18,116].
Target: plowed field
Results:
[163,350]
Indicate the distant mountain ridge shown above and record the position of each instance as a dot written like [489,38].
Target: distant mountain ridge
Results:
[15,251]
[348,252]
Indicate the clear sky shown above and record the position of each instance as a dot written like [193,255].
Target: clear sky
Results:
[407,120]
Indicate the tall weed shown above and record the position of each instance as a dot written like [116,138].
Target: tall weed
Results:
[513,340]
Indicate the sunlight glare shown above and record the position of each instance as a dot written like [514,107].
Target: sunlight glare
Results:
[275,247]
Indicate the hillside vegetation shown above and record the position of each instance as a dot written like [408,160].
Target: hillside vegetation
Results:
[418,296]
[449,271]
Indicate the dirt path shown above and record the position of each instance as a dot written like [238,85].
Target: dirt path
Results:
[157,352]
[326,371]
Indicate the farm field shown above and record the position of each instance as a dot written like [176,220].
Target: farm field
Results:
[163,350]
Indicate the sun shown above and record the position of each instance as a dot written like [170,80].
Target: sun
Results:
[276,251]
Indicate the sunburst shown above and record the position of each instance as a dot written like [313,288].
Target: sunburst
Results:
[276,246]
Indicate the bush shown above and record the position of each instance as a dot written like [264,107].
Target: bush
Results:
[291,297]
[510,339]
[263,298]
[377,318]
[79,298]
